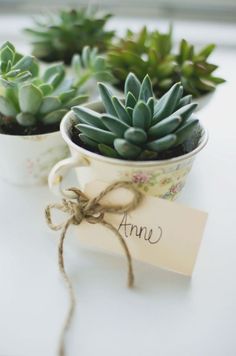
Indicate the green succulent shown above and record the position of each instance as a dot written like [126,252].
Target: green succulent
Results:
[90,65]
[14,67]
[140,127]
[60,36]
[153,53]
[141,53]
[193,70]
[40,101]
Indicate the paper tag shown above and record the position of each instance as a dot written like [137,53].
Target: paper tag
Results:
[158,232]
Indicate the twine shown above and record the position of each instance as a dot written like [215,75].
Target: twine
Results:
[92,211]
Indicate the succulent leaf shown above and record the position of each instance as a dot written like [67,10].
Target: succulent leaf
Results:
[132,85]
[26,119]
[121,111]
[141,115]
[165,127]
[115,125]
[30,98]
[88,116]
[53,117]
[126,149]
[135,135]
[162,144]
[108,151]
[96,134]
[107,99]
[49,103]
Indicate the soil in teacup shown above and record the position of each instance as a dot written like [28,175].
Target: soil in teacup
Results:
[188,146]
[9,127]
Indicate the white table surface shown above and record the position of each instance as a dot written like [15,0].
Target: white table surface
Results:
[166,314]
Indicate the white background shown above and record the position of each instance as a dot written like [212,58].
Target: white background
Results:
[166,314]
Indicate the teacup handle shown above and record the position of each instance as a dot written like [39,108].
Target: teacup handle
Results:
[58,173]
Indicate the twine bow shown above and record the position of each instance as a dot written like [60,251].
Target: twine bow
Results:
[92,211]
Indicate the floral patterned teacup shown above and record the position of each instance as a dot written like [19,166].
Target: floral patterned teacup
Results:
[164,178]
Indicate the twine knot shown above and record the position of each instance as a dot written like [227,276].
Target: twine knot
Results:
[92,211]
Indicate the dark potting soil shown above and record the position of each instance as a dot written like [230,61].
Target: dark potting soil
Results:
[13,128]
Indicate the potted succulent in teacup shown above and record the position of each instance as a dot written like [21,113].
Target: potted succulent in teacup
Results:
[59,36]
[31,108]
[151,142]
[152,52]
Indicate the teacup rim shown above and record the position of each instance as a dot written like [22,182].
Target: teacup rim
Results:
[64,132]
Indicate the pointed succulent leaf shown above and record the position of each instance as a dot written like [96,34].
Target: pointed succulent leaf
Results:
[185,130]
[162,144]
[107,99]
[121,111]
[52,70]
[184,101]
[78,100]
[88,116]
[146,89]
[135,135]
[186,111]
[7,44]
[49,103]
[115,125]
[107,151]
[126,149]
[46,88]
[88,141]
[141,115]
[30,98]
[130,100]
[56,79]
[7,55]
[206,51]
[165,106]
[7,107]
[24,63]
[150,104]
[132,85]
[26,119]
[130,112]
[67,95]
[53,117]
[96,134]
[165,127]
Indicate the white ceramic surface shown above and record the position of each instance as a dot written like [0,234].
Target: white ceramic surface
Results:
[27,160]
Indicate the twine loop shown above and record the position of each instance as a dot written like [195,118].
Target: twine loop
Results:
[93,211]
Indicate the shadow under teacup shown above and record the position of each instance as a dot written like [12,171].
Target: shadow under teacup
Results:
[161,178]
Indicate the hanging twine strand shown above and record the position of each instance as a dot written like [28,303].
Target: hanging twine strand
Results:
[92,211]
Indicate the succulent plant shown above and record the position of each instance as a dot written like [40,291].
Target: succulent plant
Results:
[39,103]
[141,127]
[153,53]
[90,65]
[141,53]
[60,36]
[193,70]
[14,67]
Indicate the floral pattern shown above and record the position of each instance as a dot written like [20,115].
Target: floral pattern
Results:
[164,182]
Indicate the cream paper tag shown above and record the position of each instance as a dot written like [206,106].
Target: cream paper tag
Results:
[158,232]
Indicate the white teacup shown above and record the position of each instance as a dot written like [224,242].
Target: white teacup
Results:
[163,178]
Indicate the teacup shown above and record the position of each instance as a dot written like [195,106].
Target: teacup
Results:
[161,178]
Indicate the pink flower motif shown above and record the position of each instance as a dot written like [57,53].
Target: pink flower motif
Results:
[176,188]
[140,177]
